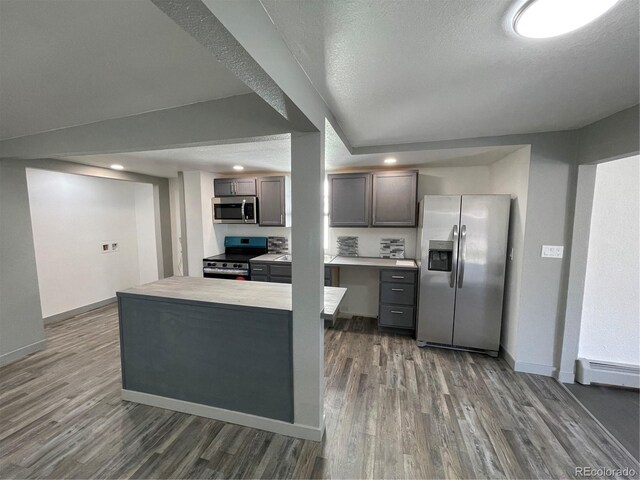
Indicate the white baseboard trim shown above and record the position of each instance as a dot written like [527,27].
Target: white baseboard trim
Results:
[536,369]
[245,419]
[21,352]
[507,357]
[566,377]
[78,311]
[609,373]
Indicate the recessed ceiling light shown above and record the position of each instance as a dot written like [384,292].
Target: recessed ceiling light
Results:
[238,168]
[117,166]
[549,18]
[390,161]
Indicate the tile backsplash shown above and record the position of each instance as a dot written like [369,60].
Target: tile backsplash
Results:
[348,246]
[278,245]
[392,248]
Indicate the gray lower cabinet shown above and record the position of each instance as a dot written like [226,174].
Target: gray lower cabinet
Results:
[280,273]
[394,199]
[231,187]
[349,199]
[397,308]
[273,193]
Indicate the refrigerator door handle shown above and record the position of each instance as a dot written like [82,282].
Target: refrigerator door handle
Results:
[454,260]
[463,254]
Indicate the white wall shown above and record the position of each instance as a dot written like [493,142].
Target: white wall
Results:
[511,175]
[610,327]
[72,215]
[146,232]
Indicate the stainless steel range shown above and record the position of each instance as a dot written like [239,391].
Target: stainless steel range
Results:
[233,264]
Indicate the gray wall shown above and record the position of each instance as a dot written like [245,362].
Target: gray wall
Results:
[21,324]
[614,137]
[21,327]
[555,157]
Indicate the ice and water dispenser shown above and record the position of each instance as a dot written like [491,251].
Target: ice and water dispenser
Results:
[440,255]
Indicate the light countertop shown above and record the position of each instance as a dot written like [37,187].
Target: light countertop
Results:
[374,262]
[337,261]
[271,258]
[275,296]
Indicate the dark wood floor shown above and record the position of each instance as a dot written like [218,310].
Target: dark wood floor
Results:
[392,411]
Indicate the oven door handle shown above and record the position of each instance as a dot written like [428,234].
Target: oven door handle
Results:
[244,220]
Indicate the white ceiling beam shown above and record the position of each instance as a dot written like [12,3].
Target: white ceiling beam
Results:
[205,123]
[197,20]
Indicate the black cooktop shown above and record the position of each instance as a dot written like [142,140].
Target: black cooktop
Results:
[232,257]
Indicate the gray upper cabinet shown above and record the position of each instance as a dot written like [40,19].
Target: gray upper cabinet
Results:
[223,187]
[349,199]
[231,187]
[272,194]
[246,187]
[394,198]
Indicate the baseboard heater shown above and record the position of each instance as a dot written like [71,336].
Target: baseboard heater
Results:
[607,373]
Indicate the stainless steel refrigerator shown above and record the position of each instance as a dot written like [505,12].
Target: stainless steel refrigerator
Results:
[462,241]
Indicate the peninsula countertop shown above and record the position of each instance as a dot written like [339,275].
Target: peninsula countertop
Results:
[274,296]
[338,261]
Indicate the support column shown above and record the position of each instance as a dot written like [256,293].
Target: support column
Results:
[577,272]
[307,177]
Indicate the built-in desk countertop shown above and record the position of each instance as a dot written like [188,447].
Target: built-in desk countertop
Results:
[338,261]
[373,262]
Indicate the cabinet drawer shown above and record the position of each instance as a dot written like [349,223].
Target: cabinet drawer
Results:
[259,278]
[276,279]
[397,293]
[280,270]
[259,269]
[398,276]
[394,316]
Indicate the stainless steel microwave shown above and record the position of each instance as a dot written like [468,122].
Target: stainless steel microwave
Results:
[235,209]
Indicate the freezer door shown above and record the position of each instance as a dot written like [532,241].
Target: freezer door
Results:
[440,220]
[484,224]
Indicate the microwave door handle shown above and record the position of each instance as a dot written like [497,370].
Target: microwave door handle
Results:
[244,220]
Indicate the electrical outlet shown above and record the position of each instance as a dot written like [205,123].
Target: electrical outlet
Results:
[552,251]
[104,248]
[114,247]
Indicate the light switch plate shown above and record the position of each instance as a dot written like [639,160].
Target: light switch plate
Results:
[552,251]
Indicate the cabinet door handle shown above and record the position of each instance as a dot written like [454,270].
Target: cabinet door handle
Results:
[397,289]
[258,269]
[397,276]
[397,312]
[281,222]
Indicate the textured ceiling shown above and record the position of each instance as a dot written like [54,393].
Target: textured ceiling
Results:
[274,155]
[415,71]
[71,62]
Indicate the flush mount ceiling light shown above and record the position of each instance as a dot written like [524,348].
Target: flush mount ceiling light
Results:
[117,166]
[550,18]
[238,168]
[390,161]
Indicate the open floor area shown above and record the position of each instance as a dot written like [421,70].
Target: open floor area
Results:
[392,410]
[618,409]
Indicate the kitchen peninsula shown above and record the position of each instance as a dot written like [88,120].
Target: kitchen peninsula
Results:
[212,347]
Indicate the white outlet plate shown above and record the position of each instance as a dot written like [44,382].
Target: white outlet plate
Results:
[552,251]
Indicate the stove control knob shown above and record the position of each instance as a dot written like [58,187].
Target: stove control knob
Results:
[224,264]
[237,265]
